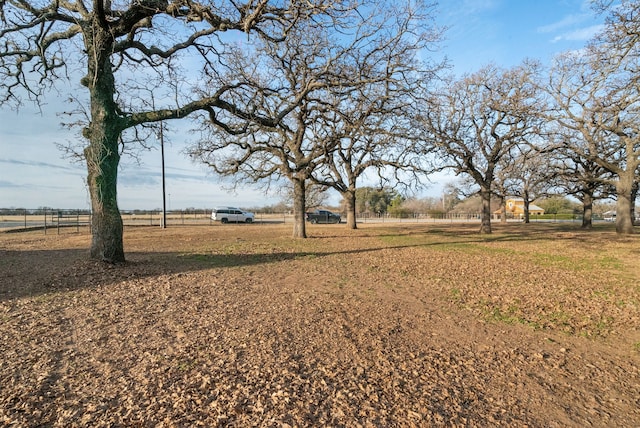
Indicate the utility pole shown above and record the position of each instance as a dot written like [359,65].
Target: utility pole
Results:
[164,200]
[163,222]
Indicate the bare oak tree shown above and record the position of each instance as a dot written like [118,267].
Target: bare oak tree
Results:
[377,136]
[583,179]
[596,96]
[481,118]
[602,106]
[289,81]
[112,48]
[375,125]
[323,84]
[531,174]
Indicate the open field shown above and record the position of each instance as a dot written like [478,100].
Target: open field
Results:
[401,325]
[18,223]
[74,223]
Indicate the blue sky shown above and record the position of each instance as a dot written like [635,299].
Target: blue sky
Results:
[505,32]
[34,173]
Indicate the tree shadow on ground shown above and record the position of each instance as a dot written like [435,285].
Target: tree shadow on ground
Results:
[30,273]
[511,232]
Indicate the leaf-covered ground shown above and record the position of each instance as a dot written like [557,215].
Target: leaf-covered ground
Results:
[389,325]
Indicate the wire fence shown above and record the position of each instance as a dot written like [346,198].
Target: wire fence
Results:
[72,220]
[61,220]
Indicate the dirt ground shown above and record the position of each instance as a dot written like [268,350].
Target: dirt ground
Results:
[406,325]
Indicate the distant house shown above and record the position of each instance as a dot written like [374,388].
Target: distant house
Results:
[515,207]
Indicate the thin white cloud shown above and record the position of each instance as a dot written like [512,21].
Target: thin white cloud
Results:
[472,7]
[472,10]
[10,184]
[581,34]
[574,27]
[566,22]
[149,177]
[39,164]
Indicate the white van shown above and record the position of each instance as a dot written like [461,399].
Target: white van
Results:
[231,214]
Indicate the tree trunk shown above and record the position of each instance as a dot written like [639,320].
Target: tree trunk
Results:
[485,195]
[587,211]
[624,187]
[106,222]
[634,197]
[503,204]
[350,204]
[527,216]
[102,154]
[299,206]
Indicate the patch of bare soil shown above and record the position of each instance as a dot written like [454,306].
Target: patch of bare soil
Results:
[240,325]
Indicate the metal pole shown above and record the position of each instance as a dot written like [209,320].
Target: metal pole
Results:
[164,202]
